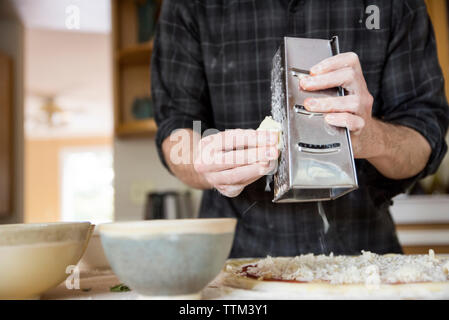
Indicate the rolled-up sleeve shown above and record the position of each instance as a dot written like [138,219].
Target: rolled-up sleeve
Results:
[413,85]
[178,82]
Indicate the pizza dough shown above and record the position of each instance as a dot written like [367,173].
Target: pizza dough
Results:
[367,276]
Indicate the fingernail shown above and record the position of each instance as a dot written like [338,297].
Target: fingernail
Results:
[315,69]
[330,118]
[311,103]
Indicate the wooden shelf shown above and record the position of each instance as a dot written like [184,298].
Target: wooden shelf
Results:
[137,128]
[131,65]
[136,54]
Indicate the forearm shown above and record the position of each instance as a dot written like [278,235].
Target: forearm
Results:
[401,152]
[178,153]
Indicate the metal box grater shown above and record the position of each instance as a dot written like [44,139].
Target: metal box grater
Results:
[317,162]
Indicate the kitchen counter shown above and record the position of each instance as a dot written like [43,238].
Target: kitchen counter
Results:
[93,286]
[96,286]
[406,210]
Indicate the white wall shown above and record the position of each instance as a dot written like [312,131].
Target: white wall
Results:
[12,44]
[138,170]
[76,68]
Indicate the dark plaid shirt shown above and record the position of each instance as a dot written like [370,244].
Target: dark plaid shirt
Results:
[212,62]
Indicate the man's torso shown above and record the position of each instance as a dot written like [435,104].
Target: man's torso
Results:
[238,41]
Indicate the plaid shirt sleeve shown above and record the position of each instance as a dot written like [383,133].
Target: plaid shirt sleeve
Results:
[413,84]
[179,86]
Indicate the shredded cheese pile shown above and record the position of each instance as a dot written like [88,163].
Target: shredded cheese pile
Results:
[368,268]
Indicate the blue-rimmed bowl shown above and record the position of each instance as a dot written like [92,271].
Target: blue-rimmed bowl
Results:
[168,258]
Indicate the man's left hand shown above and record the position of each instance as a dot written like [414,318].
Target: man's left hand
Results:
[352,110]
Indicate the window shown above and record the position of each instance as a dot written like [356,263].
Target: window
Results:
[87,184]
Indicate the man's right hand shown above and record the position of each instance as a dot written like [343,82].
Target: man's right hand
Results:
[232,159]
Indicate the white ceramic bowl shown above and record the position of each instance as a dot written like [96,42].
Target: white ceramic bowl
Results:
[170,259]
[34,257]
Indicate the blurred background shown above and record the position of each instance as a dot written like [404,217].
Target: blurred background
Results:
[76,126]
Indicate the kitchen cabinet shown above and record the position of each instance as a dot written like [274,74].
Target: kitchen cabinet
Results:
[5,135]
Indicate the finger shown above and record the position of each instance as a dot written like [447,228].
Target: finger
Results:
[224,160]
[247,156]
[346,120]
[240,139]
[345,78]
[230,191]
[343,60]
[239,176]
[349,104]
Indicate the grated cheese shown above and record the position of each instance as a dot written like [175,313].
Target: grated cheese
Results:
[368,268]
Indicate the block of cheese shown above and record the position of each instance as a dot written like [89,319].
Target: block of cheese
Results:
[269,124]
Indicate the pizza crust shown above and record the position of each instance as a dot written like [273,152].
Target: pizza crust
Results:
[324,290]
